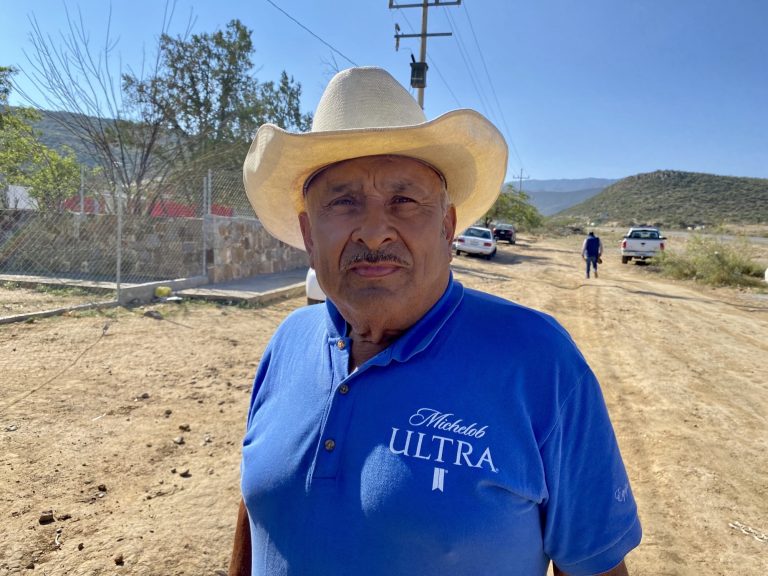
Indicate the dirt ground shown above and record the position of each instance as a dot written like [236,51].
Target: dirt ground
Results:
[18,299]
[127,427]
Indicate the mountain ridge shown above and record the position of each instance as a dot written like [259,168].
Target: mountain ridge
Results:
[553,195]
[665,197]
[677,198]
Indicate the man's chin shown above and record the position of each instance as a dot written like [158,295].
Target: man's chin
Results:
[370,290]
[371,293]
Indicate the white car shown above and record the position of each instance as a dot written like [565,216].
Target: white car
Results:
[476,240]
[315,294]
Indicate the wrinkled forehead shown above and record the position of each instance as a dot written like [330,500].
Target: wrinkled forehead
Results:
[392,163]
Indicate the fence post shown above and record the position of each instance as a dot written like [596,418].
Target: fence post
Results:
[82,190]
[78,218]
[203,220]
[210,191]
[119,240]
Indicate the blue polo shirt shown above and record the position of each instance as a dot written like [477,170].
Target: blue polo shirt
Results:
[477,443]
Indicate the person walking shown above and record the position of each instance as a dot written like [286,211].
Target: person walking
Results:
[592,251]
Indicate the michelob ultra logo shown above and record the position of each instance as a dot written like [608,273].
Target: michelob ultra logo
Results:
[443,421]
[442,438]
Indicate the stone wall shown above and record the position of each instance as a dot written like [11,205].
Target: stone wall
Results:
[84,246]
[162,248]
[241,247]
[71,245]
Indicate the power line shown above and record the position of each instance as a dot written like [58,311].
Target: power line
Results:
[486,103]
[493,89]
[434,65]
[482,59]
[313,34]
[465,57]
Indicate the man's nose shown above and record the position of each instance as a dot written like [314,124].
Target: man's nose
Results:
[375,227]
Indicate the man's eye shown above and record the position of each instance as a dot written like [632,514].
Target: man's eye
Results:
[402,200]
[342,201]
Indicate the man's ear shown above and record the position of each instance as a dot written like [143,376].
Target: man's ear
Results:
[306,234]
[449,223]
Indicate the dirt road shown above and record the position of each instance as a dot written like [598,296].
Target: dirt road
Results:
[128,427]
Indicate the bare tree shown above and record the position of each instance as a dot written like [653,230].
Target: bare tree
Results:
[195,106]
[125,136]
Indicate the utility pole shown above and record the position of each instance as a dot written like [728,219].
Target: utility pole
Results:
[521,180]
[419,69]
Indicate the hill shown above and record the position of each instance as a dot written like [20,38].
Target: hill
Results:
[673,198]
[566,185]
[56,136]
[552,196]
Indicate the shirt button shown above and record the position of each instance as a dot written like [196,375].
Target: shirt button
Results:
[343,389]
[330,444]
[340,345]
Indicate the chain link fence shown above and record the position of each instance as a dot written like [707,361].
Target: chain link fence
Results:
[98,243]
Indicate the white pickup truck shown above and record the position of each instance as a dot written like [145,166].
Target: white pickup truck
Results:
[641,243]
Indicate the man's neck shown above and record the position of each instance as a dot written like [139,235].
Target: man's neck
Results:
[367,341]
[375,324]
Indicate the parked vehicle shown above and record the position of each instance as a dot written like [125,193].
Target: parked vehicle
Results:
[505,232]
[641,243]
[315,294]
[476,240]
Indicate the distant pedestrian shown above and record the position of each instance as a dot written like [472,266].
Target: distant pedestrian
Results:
[592,251]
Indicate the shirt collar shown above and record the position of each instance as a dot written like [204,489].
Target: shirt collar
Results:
[417,337]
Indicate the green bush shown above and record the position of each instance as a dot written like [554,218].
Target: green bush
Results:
[713,262]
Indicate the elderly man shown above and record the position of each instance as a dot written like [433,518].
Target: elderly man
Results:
[389,432]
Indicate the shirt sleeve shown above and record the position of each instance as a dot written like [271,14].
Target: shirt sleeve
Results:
[590,516]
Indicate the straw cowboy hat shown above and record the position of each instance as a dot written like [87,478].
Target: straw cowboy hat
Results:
[366,112]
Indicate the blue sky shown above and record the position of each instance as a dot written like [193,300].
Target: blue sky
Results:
[580,88]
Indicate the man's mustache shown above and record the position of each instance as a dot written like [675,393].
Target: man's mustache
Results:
[372,257]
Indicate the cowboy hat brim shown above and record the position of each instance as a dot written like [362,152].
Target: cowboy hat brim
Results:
[465,147]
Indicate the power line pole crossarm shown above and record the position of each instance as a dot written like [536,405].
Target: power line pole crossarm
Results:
[521,180]
[419,69]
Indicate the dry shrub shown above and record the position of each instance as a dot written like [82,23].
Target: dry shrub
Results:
[712,261]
